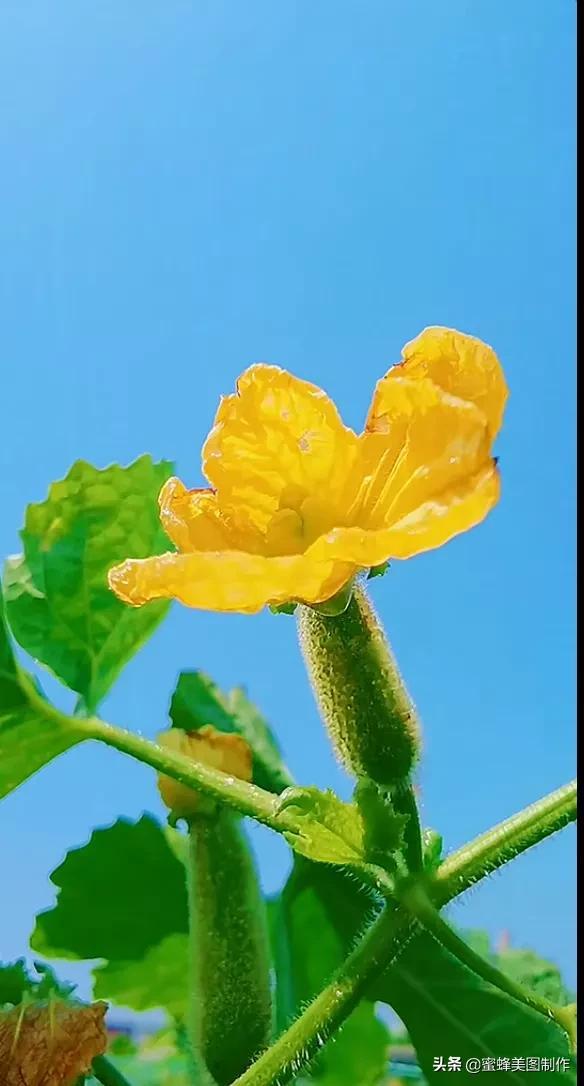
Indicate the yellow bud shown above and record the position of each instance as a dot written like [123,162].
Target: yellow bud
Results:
[219,750]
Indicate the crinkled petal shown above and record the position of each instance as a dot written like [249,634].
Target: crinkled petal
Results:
[461,365]
[427,525]
[229,580]
[193,520]
[274,443]
[435,443]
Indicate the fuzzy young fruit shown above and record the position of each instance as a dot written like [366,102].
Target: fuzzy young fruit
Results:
[230,1011]
[367,710]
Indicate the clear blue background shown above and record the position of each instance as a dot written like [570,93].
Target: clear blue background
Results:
[187,187]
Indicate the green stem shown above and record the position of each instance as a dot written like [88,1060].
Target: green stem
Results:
[104,1071]
[302,1040]
[504,842]
[246,798]
[421,908]
[405,802]
[388,934]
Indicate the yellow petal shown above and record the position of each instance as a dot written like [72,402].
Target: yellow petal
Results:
[274,443]
[229,580]
[424,480]
[193,521]
[459,364]
[428,525]
[433,441]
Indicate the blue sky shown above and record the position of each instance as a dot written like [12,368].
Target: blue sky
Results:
[187,188]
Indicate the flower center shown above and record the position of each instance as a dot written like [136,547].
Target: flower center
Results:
[300,520]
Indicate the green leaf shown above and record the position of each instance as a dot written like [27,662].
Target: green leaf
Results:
[446,1009]
[151,1068]
[432,844]
[119,895]
[540,976]
[14,982]
[17,983]
[449,1011]
[32,732]
[198,701]
[330,831]
[282,608]
[49,983]
[59,605]
[479,941]
[523,966]
[378,571]
[156,980]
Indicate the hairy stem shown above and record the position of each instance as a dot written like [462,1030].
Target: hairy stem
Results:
[404,801]
[420,906]
[302,1040]
[504,842]
[388,934]
[246,798]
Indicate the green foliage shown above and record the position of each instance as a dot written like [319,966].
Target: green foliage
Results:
[17,984]
[446,1009]
[119,895]
[198,701]
[157,979]
[378,571]
[149,1067]
[122,897]
[283,608]
[523,966]
[533,972]
[432,847]
[32,733]
[59,605]
[330,831]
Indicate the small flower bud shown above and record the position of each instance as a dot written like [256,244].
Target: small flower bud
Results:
[219,750]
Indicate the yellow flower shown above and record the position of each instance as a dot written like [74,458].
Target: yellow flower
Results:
[299,503]
[219,750]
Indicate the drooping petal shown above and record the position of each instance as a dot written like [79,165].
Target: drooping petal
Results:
[458,363]
[229,580]
[193,520]
[275,442]
[430,524]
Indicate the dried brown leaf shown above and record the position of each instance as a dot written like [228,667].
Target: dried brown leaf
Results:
[50,1044]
